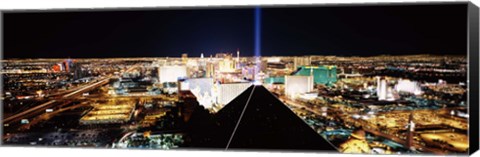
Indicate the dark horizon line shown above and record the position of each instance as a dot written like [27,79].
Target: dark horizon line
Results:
[240,56]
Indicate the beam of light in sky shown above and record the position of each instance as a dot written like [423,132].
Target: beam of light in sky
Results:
[258,24]
[258,16]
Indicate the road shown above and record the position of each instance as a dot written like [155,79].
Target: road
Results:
[68,91]
[48,115]
[41,108]
[20,115]
[48,104]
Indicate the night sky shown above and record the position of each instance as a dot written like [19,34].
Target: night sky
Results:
[313,30]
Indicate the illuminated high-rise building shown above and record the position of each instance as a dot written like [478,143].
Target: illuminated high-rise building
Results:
[408,86]
[301,61]
[184,58]
[248,72]
[238,55]
[258,70]
[295,85]
[210,69]
[68,64]
[227,64]
[377,78]
[58,67]
[78,71]
[321,74]
[382,89]
[171,73]
[237,60]
[390,95]
[201,65]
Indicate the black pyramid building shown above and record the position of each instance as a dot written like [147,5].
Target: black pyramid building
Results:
[256,119]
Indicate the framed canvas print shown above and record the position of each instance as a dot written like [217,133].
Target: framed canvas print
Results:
[398,78]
